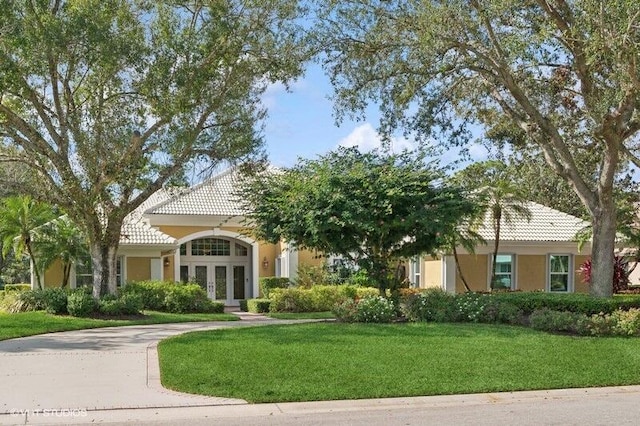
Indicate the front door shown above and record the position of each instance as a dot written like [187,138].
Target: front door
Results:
[227,283]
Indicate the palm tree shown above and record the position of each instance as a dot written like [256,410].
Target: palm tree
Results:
[60,239]
[503,202]
[467,238]
[19,216]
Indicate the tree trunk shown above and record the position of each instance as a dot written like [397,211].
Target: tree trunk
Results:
[35,265]
[497,217]
[455,257]
[103,260]
[602,250]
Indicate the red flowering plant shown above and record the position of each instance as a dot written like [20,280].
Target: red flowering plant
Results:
[620,273]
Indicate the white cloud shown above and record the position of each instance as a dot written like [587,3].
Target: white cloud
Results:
[366,138]
[275,90]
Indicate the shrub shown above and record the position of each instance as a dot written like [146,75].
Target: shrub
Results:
[2,293]
[617,323]
[80,303]
[17,287]
[109,305]
[375,309]
[363,292]
[579,303]
[186,298]
[309,276]
[269,283]
[360,278]
[23,301]
[291,300]
[346,311]
[243,305]
[152,293]
[325,297]
[431,305]
[620,273]
[258,306]
[55,300]
[558,321]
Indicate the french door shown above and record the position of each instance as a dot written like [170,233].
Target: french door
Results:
[225,282]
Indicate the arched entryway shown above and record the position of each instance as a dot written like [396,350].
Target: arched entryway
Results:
[222,262]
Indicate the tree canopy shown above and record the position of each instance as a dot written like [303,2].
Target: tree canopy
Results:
[371,208]
[565,74]
[107,100]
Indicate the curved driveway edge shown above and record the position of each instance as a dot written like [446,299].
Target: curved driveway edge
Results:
[97,369]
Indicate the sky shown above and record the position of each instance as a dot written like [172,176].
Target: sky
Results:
[301,124]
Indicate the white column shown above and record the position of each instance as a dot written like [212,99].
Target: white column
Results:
[449,274]
[292,264]
[156,269]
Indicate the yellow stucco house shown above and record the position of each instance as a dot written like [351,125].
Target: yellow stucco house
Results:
[196,234]
[199,234]
[539,254]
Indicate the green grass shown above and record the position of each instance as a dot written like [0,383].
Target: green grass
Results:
[31,323]
[326,361]
[301,315]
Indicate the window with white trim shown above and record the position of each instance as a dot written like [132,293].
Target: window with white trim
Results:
[504,277]
[84,272]
[416,271]
[559,272]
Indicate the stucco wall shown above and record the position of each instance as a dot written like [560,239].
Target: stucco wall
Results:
[475,269]
[531,272]
[53,276]
[310,258]
[138,268]
[178,232]
[432,275]
[268,251]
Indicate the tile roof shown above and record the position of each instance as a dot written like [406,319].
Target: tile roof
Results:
[139,232]
[213,197]
[546,224]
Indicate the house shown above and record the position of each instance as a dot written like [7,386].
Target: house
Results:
[197,234]
[540,254]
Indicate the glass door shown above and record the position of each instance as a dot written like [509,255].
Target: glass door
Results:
[220,280]
[239,283]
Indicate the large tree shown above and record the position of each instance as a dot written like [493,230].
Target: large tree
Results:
[371,208]
[565,73]
[107,100]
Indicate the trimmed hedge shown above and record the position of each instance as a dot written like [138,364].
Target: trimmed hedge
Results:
[258,306]
[173,297]
[243,305]
[269,283]
[319,298]
[17,287]
[579,303]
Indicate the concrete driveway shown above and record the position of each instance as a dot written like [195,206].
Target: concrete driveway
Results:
[97,369]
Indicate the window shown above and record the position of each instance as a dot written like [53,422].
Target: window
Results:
[210,247]
[559,272]
[184,273]
[84,272]
[504,272]
[241,250]
[183,249]
[416,270]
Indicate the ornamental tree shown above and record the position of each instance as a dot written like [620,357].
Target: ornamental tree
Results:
[371,208]
[105,101]
[565,74]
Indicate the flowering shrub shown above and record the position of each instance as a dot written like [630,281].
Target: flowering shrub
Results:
[375,309]
[617,323]
[370,309]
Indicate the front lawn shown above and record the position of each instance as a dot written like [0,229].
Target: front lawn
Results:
[30,323]
[325,361]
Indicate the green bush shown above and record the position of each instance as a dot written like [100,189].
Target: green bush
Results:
[214,307]
[152,293]
[325,297]
[243,305]
[363,292]
[617,323]
[124,304]
[258,306]
[431,305]
[2,293]
[23,301]
[346,311]
[81,304]
[559,321]
[55,300]
[17,287]
[186,298]
[291,300]
[269,283]
[579,303]
[376,309]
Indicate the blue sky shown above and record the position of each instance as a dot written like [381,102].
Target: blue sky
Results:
[301,123]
